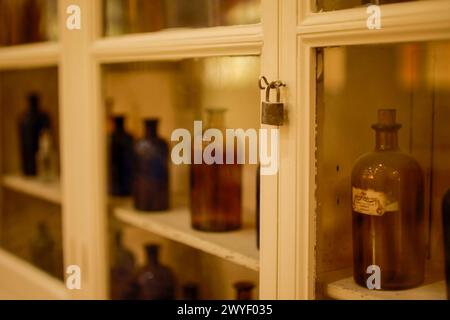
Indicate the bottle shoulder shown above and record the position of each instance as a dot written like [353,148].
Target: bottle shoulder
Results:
[381,162]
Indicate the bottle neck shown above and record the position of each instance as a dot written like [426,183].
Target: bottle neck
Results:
[119,124]
[216,119]
[386,139]
[152,256]
[151,129]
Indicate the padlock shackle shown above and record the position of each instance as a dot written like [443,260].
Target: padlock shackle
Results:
[268,92]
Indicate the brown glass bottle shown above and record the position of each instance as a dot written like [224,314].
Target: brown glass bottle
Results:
[244,290]
[216,188]
[388,216]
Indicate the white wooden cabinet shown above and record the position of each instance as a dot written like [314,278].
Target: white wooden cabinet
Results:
[289,264]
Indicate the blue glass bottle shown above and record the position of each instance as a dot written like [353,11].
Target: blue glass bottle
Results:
[121,160]
[155,281]
[151,171]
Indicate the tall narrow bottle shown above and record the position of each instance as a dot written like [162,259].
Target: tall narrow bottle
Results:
[151,171]
[216,188]
[120,159]
[388,215]
[30,127]
[446,224]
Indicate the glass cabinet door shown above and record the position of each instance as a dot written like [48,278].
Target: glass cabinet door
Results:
[30,214]
[372,112]
[382,157]
[202,214]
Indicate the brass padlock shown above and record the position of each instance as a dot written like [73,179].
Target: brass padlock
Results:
[273,112]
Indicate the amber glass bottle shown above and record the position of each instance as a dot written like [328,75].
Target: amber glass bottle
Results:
[388,216]
[216,188]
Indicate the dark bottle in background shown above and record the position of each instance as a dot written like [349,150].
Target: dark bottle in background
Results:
[244,290]
[155,281]
[30,128]
[151,171]
[122,272]
[190,291]
[42,249]
[121,159]
[446,224]
[216,188]
[388,215]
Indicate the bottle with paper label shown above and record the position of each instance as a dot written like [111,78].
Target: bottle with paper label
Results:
[388,216]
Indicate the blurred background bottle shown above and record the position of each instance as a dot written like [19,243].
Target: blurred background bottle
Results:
[120,159]
[155,281]
[151,170]
[216,188]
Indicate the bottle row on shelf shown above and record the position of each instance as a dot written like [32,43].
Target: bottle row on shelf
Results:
[141,169]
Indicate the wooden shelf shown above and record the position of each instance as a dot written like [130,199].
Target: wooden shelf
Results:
[346,289]
[29,55]
[31,186]
[238,247]
[21,280]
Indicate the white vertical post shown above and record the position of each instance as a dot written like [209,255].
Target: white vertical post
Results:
[83,163]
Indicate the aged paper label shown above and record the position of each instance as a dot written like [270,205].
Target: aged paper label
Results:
[372,202]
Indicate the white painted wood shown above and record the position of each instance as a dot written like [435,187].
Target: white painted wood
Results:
[30,55]
[177,44]
[288,268]
[413,21]
[347,289]
[82,157]
[238,247]
[268,275]
[49,191]
[20,280]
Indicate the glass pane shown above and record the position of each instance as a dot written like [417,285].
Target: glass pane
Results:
[28,21]
[30,213]
[145,104]
[383,163]
[137,16]
[330,5]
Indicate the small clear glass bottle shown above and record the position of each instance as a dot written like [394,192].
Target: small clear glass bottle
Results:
[216,188]
[388,215]
[46,158]
[42,249]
